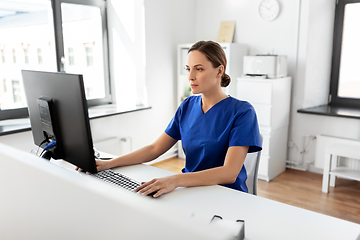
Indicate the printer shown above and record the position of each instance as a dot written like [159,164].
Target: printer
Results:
[265,66]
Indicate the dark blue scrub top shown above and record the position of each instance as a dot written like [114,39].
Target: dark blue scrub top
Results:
[207,137]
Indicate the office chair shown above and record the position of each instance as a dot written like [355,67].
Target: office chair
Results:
[251,163]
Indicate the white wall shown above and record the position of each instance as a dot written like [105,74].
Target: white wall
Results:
[280,36]
[313,77]
[166,25]
[303,31]
[262,37]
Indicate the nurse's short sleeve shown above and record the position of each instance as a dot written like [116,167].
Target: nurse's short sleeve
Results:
[245,130]
[173,129]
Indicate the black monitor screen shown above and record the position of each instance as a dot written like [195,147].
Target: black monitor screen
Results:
[69,123]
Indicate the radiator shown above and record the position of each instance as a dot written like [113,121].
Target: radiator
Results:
[115,146]
[322,142]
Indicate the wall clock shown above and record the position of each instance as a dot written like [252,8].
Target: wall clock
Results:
[269,9]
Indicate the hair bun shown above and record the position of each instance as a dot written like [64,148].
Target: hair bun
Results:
[225,80]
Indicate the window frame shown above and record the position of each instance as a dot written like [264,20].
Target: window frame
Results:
[334,99]
[60,51]
[60,56]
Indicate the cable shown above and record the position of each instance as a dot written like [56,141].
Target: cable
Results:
[308,144]
[50,145]
[37,151]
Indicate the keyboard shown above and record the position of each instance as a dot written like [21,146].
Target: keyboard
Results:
[117,179]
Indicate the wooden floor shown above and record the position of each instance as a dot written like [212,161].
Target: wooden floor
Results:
[302,189]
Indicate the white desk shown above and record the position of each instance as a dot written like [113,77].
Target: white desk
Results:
[264,218]
[53,203]
[42,201]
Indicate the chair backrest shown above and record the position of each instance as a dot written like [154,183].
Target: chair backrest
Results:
[251,163]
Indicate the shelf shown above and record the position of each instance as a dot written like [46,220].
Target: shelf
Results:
[344,172]
[22,125]
[333,111]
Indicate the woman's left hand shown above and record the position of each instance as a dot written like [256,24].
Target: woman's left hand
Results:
[158,185]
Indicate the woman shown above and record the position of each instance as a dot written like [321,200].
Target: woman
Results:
[217,131]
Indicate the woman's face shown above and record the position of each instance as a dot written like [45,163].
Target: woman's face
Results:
[203,77]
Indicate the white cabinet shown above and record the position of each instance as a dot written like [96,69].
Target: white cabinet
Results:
[271,100]
[234,55]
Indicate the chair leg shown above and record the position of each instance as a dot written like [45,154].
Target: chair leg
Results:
[326,172]
[334,161]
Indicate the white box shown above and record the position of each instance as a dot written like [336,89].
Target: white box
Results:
[271,66]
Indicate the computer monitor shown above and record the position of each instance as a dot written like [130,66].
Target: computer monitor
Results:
[58,112]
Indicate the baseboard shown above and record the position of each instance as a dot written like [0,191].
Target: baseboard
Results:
[314,169]
[302,167]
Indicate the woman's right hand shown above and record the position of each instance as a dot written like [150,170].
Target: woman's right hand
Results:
[102,165]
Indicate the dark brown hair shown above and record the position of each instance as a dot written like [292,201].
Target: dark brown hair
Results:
[215,54]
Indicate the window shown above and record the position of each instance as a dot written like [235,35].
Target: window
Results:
[3,89]
[345,76]
[39,53]
[53,25]
[71,56]
[16,91]
[26,23]
[26,55]
[2,55]
[14,55]
[89,56]
[4,86]
[82,27]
